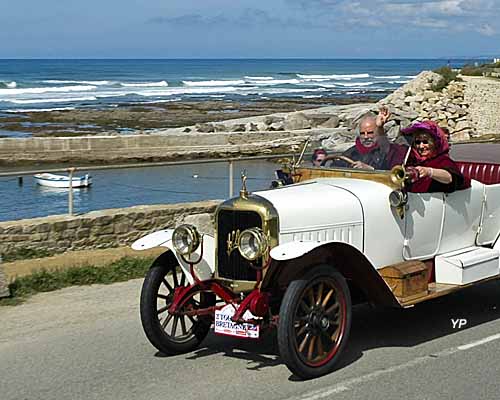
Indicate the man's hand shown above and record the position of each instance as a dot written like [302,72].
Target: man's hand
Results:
[383,115]
[362,165]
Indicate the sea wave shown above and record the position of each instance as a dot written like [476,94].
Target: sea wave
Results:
[65,82]
[213,83]
[55,100]
[277,82]
[388,77]
[259,78]
[39,90]
[351,84]
[397,82]
[18,110]
[145,84]
[9,85]
[334,76]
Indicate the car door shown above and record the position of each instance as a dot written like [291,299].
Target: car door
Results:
[424,218]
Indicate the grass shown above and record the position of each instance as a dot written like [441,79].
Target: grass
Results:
[49,280]
[479,70]
[448,75]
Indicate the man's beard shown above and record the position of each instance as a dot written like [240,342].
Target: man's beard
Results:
[367,142]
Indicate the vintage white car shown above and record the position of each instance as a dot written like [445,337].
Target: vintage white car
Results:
[298,256]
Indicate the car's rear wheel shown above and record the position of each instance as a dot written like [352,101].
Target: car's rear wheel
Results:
[172,334]
[314,324]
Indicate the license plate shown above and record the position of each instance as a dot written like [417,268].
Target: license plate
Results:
[224,326]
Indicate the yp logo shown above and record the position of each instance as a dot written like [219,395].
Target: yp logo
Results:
[458,323]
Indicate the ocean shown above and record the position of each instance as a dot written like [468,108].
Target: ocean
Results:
[39,85]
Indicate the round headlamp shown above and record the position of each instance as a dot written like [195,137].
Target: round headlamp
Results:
[252,243]
[185,239]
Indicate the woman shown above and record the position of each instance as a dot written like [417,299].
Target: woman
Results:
[434,170]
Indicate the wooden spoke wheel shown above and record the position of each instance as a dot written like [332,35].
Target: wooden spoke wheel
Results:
[172,334]
[315,319]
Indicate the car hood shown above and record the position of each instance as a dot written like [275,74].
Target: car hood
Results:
[314,205]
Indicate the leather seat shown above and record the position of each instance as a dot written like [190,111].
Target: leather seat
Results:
[487,173]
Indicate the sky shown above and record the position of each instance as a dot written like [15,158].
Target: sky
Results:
[249,29]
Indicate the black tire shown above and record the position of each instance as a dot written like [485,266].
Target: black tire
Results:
[169,333]
[314,324]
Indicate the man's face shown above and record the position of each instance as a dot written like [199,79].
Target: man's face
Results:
[367,132]
[319,159]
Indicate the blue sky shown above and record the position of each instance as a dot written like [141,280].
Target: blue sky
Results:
[257,28]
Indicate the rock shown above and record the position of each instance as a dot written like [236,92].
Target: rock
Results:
[463,125]
[205,128]
[237,128]
[186,130]
[4,287]
[251,127]
[277,126]
[271,119]
[220,128]
[393,132]
[332,122]
[317,119]
[297,121]
[261,126]
[460,136]
[203,222]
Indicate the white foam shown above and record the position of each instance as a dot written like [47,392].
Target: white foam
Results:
[39,109]
[259,78]
[39,90]
[213,83]
[96,83]
[277,82]
[394,82]
[388,77]
[183,90]
[11,85]
[145,84]
[56,100]
[334,76]
[352,84]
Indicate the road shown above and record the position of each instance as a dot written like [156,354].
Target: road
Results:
[87,343]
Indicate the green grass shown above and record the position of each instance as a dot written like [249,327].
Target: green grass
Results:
[448,75]
[49,280]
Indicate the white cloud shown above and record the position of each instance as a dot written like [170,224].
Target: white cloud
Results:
[486,30]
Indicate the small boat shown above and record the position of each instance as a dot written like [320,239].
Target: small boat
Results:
[62,181]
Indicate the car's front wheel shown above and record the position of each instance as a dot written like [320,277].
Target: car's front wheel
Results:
[314,324]
[169,333]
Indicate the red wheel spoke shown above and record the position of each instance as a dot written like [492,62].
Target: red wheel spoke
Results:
[167,285]
[167,319]
[312,344]
[320,293]
[183,325]
[304,342]
[176,279]
[327,297]
[160,310]
[174,325]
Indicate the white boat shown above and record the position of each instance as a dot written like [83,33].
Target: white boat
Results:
[62,181]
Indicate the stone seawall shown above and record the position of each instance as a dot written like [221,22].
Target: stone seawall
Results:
[97,229]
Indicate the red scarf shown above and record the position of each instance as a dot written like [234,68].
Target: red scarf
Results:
[364,149]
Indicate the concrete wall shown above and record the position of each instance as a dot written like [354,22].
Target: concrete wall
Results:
[141,147]
[98,229]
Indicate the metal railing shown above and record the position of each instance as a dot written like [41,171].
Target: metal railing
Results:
[71,170]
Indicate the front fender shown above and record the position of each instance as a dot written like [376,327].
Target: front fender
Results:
[293,260]
[204,269]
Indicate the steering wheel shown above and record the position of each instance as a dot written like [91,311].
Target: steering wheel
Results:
[334,157]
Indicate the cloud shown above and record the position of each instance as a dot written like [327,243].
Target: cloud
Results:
[247,18]
[486,30]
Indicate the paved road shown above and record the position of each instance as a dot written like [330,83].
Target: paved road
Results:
[87,343]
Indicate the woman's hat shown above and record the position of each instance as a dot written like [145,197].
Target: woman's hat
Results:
[431,128]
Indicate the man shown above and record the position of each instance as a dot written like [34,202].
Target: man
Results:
[318,157]
[372,149]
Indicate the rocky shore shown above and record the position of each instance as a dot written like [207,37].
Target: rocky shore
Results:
[467,107]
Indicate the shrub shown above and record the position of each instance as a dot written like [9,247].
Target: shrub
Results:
[448,75]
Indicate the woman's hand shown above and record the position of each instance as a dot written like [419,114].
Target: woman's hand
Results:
[440,175]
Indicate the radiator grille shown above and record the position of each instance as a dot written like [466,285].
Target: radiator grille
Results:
[234,266]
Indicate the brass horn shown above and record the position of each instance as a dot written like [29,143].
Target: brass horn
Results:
[398,175]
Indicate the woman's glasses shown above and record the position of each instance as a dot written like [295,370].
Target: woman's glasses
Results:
[423,141]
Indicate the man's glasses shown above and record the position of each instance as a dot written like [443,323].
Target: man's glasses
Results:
[367,133]
[418,141]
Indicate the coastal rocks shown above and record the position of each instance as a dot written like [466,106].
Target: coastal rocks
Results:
[295,121]
[4,287]
[420,100]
